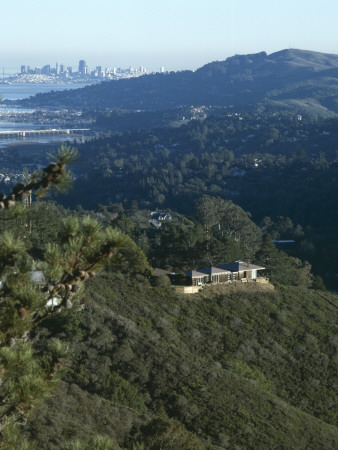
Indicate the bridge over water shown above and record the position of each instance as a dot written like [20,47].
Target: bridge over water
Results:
[50,132]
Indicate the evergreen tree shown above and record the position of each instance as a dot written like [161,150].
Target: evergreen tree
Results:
[31,291]
[282,268]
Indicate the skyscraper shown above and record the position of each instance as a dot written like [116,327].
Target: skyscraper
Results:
[46,70]
[82,67]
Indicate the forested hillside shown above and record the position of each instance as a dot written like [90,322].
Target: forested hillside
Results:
[98,353]
[300,79]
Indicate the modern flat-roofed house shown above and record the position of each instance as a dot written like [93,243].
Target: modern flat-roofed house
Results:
[242,270]
[224,273]
[217,274]
[195,278]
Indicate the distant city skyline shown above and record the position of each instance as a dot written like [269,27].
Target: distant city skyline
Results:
[176,34]
[59,68]
[50,73]
[81,67]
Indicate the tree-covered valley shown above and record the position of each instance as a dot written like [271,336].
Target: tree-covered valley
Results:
[278,166]
[98,351]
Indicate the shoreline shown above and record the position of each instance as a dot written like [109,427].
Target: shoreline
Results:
[31,146]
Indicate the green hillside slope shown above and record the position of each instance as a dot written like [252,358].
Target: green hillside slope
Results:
[246,367]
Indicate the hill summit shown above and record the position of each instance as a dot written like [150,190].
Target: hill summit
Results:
[282,62]
[289,77]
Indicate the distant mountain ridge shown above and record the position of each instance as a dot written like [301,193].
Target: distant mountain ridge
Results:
[303,78]
[289,59]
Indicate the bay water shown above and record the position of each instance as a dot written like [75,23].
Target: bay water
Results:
[18,91]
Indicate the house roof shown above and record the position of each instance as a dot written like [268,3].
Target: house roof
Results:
[240,266]
[213,270]
[194,274]
[37,276]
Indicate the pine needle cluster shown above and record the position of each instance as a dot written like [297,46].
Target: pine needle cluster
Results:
[31,291]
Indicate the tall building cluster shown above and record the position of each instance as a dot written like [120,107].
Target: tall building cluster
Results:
[83,71]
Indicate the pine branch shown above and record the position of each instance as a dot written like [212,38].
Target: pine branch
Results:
[54,175]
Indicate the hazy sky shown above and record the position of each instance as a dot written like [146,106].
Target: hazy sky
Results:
[176,34]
